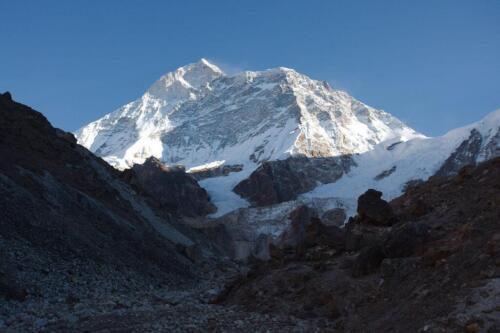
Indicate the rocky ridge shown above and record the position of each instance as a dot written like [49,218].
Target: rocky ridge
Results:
[425,262]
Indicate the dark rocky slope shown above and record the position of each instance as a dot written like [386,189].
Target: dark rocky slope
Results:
[171,187]
[428,262]
[84,250]
[65,213]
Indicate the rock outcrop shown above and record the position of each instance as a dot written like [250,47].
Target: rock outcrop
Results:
[283,180]
[218,171]
[372,209]
[466,154]
[171,186]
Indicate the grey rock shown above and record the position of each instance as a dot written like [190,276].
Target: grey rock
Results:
[283,180]
[372,209]
[219,171]
[385,173]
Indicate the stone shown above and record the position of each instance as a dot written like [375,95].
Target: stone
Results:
[385,173]
[319,234]
[372,209]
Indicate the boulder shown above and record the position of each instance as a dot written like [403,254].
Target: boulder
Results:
[372,209]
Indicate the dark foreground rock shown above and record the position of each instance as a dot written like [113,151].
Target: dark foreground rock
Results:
[372,209]
[67,205]
[434,268]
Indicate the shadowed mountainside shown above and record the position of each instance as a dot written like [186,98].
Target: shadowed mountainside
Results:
[65,213]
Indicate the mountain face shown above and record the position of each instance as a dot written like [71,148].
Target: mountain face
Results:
[201,118]
[391,167]
[198,115]
[268,137]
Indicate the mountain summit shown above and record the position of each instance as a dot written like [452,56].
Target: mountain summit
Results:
[198,115]
[277,135]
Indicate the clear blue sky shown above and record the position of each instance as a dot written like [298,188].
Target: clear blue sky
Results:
[434,64]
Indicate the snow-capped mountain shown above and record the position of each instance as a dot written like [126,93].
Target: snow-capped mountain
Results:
[202,118]
[198,115]
[390,166]
[134,132]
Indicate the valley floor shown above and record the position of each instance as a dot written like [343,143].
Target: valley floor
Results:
[151,310]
